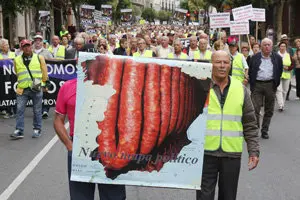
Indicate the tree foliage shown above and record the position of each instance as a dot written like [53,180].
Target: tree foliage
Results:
[149,14]
[184,4]
[163,15]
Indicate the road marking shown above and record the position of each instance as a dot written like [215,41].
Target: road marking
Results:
[29,168]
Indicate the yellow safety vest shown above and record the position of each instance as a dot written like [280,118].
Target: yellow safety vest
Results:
[24,79]
[207,55]
[60,54]
[286,62]
[224,127]
[182,56]
[147,54]
[238,71]
[11,55]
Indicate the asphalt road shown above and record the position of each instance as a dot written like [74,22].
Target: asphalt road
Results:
[276,178]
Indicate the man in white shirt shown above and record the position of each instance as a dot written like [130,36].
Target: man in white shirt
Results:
[164,49]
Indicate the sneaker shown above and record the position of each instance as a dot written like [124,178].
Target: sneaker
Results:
[45,115]
[281,109]
[6,116]
[17,134]
[36,133]
[265,135]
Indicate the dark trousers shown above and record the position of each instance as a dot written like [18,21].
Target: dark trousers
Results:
[86,191]
[264,91]
[297,73]
[227,170]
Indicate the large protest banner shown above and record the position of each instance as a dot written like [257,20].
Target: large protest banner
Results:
[126,17]
[140,121]
[59,71]
[219,20]
[104,16]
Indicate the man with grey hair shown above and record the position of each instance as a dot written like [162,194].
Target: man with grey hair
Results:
[192,48]
[164,49]
[5,51]
[39,48]
[178,51]
[79,46]
[265,69]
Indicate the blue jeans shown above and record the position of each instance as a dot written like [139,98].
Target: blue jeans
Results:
[37,98]
[86,191]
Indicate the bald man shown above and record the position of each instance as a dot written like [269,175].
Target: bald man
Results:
[230,121]
[192,48]
[58,51]
[178,54]
[203,54]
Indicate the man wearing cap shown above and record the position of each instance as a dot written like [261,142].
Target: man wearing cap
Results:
[239,69]
[39,48]
[58,51]
[31,74]
[178,54]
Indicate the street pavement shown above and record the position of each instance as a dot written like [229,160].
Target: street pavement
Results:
[276,178]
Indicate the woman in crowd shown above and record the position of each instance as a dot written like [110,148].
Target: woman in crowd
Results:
[219,45]
[65,42]
[255,49]
[122,49]
[285,77]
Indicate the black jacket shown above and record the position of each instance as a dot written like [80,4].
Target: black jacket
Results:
[120,51]
[255,62]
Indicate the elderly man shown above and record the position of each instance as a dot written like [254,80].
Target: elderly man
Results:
[205,36]
[79,46]
[113,43]
[265,70]
[192,48]
[142,52]
[203,54]
[230,121]
[31,71]
[178,54]
[5,51]
[39,48]
[164,49]
[58,51]
[239,64]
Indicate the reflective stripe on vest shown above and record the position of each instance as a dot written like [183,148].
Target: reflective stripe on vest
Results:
[238,68]
[286,62]
[11,55]
[24,79]
[207,55]
[182,56]
[146,54]
[224,127]
[60,54]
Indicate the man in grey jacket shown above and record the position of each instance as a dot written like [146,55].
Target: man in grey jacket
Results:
[39,49]
[231,120]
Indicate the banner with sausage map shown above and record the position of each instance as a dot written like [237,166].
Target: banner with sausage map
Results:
[140,121]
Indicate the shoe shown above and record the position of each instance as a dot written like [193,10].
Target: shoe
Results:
[36,133]
[265,135]
[45,115]
[6,116]
[17,134]
[280,109]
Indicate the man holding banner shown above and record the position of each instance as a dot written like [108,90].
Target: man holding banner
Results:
[230,121]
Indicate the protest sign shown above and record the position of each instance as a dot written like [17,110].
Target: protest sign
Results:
[185,42]
[259,15]
[58,72]
[219,20]
[104,16]
[239,28]
[243,13]
[140,121]
[179,16]
[126,17]
[86,15]
[44,19]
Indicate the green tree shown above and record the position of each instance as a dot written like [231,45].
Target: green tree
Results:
[149,14]
[184,4]
[163,15]
[136,10]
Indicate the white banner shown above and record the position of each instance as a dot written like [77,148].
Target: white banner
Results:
[259,15]
[97,15]
[219,20]
[243,13]
[239,28]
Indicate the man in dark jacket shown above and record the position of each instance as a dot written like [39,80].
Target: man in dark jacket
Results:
[265,70]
